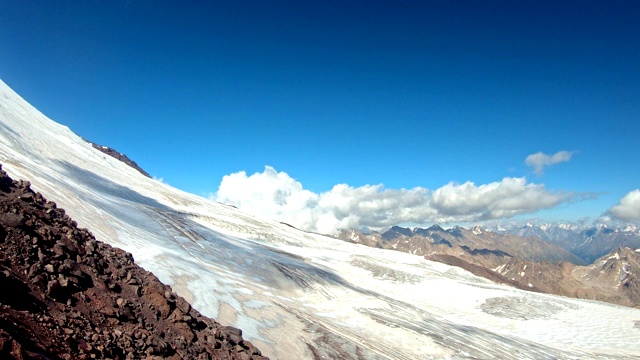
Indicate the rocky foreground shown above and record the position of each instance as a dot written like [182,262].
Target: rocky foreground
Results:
[65,295]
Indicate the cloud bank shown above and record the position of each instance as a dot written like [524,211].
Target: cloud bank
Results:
[629,207]
[539,160]
[278,196]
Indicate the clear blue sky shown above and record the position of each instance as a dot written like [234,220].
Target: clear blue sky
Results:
[401,93]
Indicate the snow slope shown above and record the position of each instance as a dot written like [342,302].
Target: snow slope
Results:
[298,295]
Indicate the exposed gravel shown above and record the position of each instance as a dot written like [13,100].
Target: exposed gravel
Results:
[65,295]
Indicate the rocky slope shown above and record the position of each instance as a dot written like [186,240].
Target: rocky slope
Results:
[534,267]
[120,156]
[612,278]
[67,296]
[479,270]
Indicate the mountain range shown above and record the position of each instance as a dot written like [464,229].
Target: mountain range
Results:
[528,263]
[586,242]
[299,295]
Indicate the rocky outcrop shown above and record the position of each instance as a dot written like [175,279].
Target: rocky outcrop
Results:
[65,295]
[120,156]
[480,271]
[612,278]
[616,274]
[552,278]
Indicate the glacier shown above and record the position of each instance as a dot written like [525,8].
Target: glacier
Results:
[299,295]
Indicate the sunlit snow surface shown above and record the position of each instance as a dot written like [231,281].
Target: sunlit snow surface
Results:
[298,295]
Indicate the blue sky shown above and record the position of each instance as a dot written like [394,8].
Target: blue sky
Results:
[408,94]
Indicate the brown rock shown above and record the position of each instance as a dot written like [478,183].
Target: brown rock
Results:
[105,306]
[159,303]
[182,329]
[183,305]
[26,197]
[12,220]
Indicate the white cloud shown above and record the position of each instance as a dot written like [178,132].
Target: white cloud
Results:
[270,194]
[629,207]
[539,160]
[496,200]
[276,195]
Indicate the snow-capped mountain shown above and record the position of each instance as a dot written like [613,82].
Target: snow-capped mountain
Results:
[298,295]
[586,242]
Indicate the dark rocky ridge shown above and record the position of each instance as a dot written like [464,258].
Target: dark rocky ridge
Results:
[119,156]
[65,295]
[479,271]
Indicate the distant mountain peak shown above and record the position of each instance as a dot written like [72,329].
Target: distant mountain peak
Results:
[477,230]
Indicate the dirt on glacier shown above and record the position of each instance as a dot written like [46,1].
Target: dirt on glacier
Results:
[65,295]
